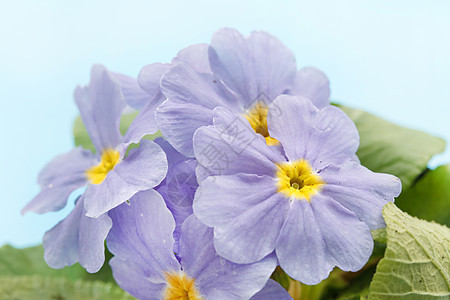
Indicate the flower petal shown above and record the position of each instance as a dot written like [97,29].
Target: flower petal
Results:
[348,241]
[321,136]
[132,277]
[196,56]
[249,67]
[300,247]
[246,213]
[216,277]
[149,79]
[143,124]
[361,191]
[183,83]
[191,97]
[272,290]
[142,235]
[143,168]
[101,104]
[335,139]
[178,191]
[274,64]
[59,178]
[313,84]
[230,59]
[179,120]
[173,156]
[291,121]
[132,92]
[77,238]
[238,194]
[231,146]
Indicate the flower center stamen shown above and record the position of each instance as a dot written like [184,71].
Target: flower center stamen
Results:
[180,287]
[257,117]
[295,185]
[110,158]
[298,180]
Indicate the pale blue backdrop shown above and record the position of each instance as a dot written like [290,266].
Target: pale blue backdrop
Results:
[391,58]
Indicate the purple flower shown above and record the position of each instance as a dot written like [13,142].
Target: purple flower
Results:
[242,74]
[112,176]
[307,199]
[145,265]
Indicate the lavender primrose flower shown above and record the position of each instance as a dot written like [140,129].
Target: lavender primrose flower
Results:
[310,202]
[242,74]
[111,177]
[145,265]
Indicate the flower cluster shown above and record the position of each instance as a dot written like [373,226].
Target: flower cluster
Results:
[256,169]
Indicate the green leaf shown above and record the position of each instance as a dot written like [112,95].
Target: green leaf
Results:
[417,260]
[359,289]
[379,235]
[82,138]
[49,288]
[281,277]
[30,261]
[389,148]
[429,197]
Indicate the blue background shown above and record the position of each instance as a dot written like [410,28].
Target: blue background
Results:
[391,58]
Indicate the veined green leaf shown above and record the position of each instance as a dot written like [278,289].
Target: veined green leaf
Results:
[50,288]
[389,148]
[416,264]
[30,261]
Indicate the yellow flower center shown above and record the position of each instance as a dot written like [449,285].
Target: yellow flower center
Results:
[298,180]
[110,158]
[180,287]
[257,117]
